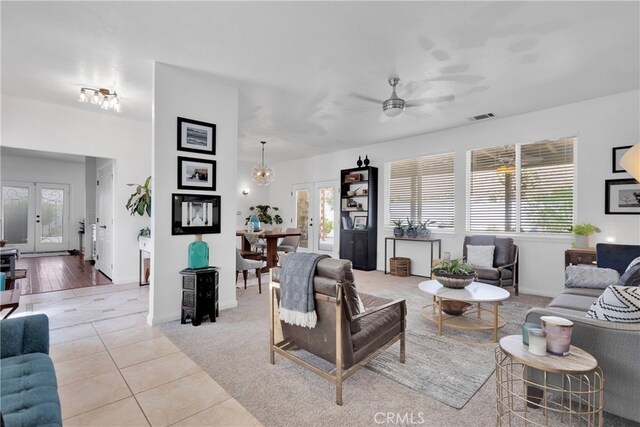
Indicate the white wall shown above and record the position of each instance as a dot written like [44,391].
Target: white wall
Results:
[258,194]
[90,177]
[183,93]
[599,125]
[35,169]
[36,125]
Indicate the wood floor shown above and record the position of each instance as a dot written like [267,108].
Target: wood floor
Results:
[57,273]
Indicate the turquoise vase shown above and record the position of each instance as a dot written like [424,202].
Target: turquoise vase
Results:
[198,254]
[253,219]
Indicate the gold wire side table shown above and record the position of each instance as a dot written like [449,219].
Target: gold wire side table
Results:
[547,390]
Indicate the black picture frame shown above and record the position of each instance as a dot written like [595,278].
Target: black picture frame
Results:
[616,155]
[196,137]
[204,209]
[192,177]
[360,220]
[622,197]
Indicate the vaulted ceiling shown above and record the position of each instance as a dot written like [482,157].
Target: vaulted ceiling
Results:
[303,68]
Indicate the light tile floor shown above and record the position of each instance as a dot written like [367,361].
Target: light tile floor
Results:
[114,369]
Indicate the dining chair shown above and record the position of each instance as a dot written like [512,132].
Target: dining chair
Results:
[290,243]
[261,245]
[244,265]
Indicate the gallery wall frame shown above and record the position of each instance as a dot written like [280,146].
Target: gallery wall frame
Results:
[622,197]
[616,155]
[196,137]
[196,174]
[195,214]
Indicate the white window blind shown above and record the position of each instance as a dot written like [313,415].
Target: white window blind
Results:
[526,187]
[422,189]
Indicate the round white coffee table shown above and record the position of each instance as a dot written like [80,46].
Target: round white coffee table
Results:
[476,319]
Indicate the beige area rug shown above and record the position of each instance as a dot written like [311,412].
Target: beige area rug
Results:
[234,351]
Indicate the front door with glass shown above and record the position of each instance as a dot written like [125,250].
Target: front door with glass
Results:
[315,215]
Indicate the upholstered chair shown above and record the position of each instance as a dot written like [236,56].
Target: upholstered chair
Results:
[504,269]
[352,327]
[244,265]
[290,243]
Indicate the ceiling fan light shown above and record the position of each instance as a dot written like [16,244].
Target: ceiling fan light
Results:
[83,96]
[393,107]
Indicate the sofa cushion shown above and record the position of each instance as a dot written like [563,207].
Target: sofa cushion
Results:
[480,255]
[617,304]
[584,276]
[29,391]
[618,257]
[631,277]
[595,293]
[580,303]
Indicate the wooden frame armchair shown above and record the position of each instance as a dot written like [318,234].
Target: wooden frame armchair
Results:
[504,271]
[344,335]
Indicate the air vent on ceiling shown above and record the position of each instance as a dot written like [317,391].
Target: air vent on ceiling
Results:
[482,117]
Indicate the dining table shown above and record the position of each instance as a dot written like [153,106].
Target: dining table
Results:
[271,237]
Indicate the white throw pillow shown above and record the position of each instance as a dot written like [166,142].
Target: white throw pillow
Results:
[480,256]
[632,263]
[619,304]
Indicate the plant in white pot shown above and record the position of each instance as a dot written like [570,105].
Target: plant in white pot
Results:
[583,233]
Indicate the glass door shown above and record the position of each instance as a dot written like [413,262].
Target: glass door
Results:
[52,217]
[315,215]
[17,214]
[35,216]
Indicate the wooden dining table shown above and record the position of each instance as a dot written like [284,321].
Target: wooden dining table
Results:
[271,238]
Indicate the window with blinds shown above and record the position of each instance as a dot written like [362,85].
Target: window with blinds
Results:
[421,189]
[522,188]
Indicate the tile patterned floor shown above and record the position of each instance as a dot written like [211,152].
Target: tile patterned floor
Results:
[114,369]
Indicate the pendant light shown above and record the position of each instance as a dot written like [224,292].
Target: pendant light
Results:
[262,174]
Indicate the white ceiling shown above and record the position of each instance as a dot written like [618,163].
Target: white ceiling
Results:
[298,64]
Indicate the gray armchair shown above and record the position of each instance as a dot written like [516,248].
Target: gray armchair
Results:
[244,265]
[504,271]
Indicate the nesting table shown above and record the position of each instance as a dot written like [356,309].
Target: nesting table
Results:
[475,319]
[539,390]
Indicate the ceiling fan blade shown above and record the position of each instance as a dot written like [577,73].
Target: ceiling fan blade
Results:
[426,101]
[366,98]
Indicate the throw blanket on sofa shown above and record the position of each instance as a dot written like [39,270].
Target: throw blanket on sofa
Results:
[296,289]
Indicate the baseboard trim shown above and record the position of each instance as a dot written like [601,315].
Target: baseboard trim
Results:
[224,305]
[156,320]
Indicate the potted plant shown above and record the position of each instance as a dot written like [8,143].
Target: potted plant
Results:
[398,230]
[144,232]
[140,201]
[264,214]
[583,233]
[454,274]
[412,231]
[424,232]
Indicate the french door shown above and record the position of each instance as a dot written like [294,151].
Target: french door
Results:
[35,216]
[316,216]
[104,238]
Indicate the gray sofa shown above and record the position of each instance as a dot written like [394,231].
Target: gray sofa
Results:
[616,346]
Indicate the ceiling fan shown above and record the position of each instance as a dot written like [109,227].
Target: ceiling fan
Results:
[395,106]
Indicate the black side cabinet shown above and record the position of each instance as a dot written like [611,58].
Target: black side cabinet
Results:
[199,294]
[359,217]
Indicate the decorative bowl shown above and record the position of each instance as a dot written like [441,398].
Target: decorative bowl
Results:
[454,308]
[454,281]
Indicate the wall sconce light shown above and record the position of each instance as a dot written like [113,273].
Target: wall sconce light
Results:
[245,191]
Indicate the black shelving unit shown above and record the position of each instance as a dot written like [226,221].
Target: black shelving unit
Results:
[359,217]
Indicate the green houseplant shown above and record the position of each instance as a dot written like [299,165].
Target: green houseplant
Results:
[264,214]
[423,231]
[583,233]
[398,230]
[454,274]
[140,201]
[412,231]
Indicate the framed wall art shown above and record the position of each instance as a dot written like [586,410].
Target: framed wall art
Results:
[196,137]
[195,214]
[360,222]
[196,174]
[616,155]
[622,196]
